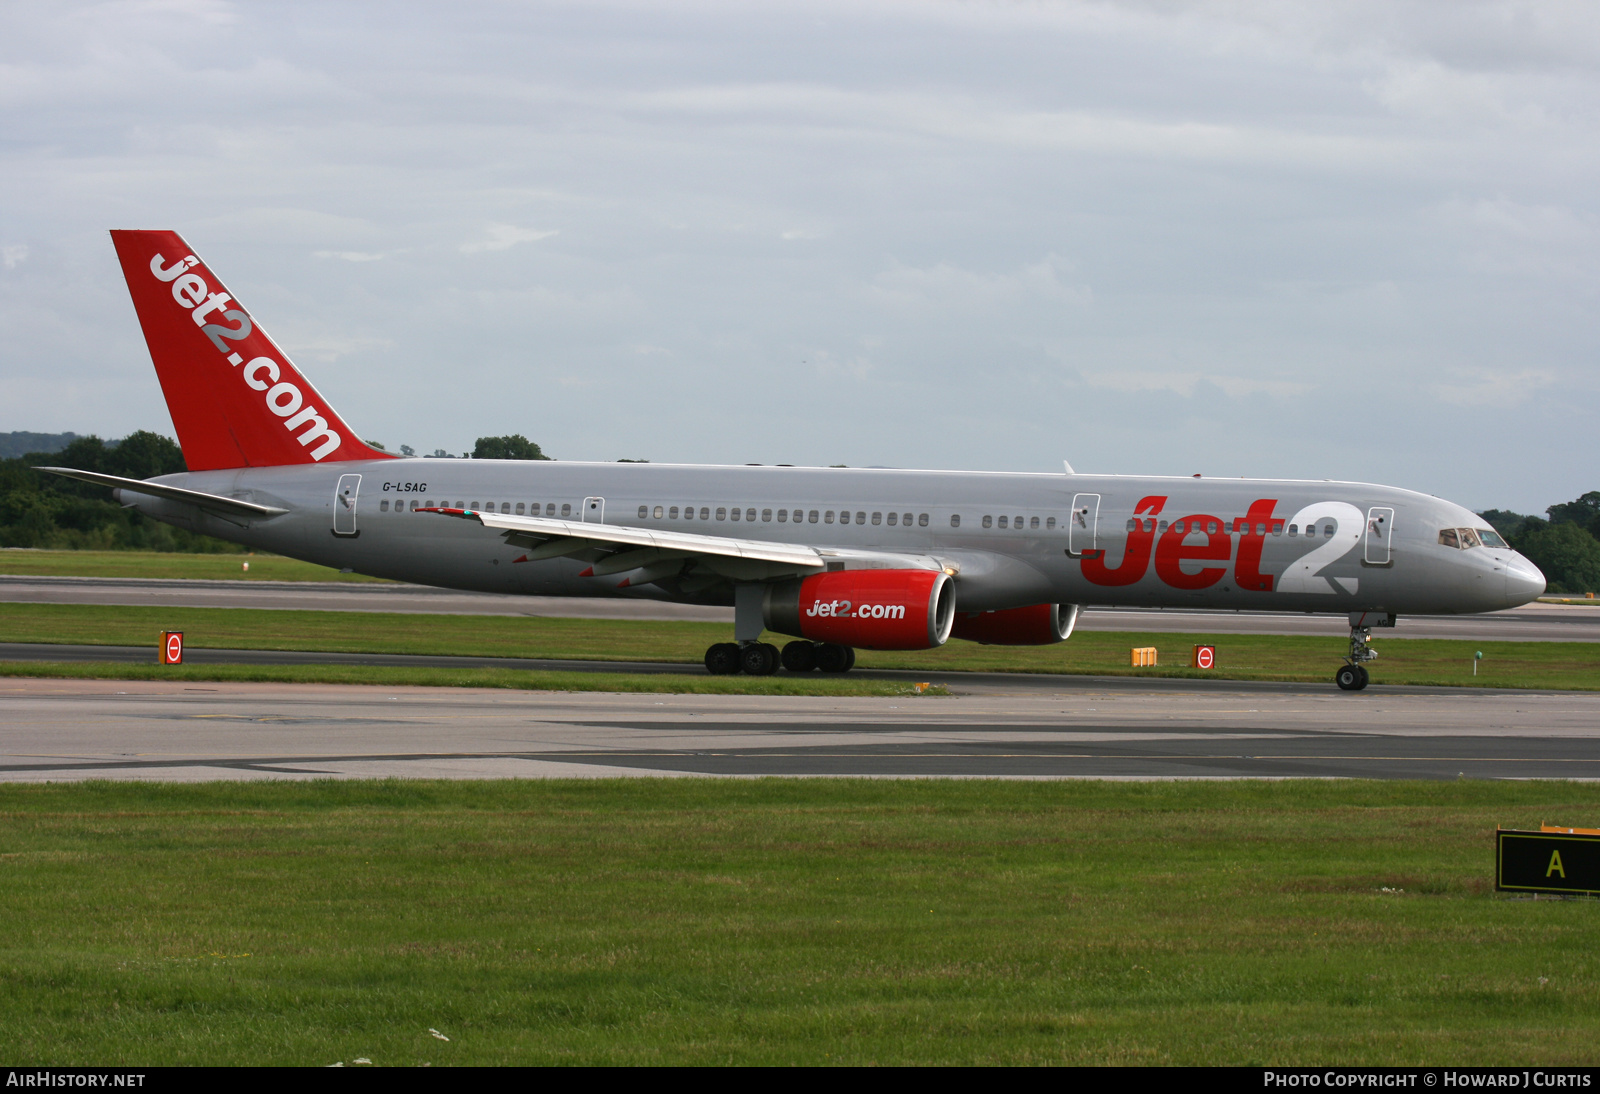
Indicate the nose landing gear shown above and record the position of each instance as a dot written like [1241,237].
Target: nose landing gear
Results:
[1352,675]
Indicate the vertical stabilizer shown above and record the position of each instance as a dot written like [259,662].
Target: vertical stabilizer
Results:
[235,398]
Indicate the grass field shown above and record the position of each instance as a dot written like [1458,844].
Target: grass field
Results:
[519,679]
[167,564]
[1573,665]
[783,921]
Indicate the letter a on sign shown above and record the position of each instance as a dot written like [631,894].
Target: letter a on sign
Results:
[1555,865]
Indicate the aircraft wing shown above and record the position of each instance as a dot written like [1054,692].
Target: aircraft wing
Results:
[214,502]
[636,548]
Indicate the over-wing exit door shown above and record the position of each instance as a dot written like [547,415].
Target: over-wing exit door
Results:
[344,505]
[1083,526]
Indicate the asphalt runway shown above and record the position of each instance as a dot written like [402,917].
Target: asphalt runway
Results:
[55,730]
[1530,623]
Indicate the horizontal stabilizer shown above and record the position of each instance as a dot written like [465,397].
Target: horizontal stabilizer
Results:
[214,502]
[620,535]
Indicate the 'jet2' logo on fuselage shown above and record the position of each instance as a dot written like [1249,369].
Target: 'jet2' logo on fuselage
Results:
[283,398]
[1202,538]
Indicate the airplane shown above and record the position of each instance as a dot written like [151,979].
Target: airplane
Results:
[838,558]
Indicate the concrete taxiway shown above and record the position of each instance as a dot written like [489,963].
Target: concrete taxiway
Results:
[1084,728]
[1530,623]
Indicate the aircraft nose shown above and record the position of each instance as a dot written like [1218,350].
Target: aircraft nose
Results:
[1524,581]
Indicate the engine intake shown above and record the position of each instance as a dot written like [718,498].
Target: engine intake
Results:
[1035,625]
[867,609]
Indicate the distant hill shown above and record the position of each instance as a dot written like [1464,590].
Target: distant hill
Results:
[13,445]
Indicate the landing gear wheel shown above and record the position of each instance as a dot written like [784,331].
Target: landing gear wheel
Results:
[800,656]
[832,657]
[1365,678]
[723,659]
[758,659]
[1350,678]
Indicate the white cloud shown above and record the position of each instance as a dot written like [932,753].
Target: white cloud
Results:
[14,254]
[349,256]
[503,237]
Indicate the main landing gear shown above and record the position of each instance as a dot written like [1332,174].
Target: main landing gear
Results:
[763,658]
[1352,675]
[752,657]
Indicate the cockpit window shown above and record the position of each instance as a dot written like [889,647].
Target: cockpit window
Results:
[1448,537]
[1469,538]
[1491,538]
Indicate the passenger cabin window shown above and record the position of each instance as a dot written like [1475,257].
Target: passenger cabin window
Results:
[1050,523]
[1277,527]
[722,514]
[566,509]
[521,509]
[1002,522]
[894,519]
[877,518]
[383,506]
[783,516]
[735,514]
[643,509]
[827,518]
[955,520]
[749,514]
[812,516]
[657,511]
[905,518]
[766,515]
[988,521]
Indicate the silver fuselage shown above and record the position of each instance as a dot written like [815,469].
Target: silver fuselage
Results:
[1035,558]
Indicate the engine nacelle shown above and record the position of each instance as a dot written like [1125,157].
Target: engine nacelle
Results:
[867,609]
[1035,625]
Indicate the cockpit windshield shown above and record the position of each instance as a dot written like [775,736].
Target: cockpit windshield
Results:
[1464,538]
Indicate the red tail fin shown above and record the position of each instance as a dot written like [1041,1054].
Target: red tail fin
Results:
[235,398]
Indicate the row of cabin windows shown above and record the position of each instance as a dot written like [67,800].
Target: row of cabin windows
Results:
[1231,527]
[798,516]
[530,509]
[1019,523]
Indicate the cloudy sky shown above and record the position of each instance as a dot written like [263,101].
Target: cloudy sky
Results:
[1352,240]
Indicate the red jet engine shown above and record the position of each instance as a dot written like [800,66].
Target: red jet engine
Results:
[1035,625]
[866,609]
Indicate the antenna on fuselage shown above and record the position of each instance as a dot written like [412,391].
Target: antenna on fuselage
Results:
[1068,466]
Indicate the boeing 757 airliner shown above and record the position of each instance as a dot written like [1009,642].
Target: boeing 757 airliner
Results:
[840,558]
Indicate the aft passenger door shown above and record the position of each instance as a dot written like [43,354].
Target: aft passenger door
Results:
[594,510]
[1083,526]
[1379,537]
[344,505]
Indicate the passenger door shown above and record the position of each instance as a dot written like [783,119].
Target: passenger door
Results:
[1083,525]
[1379,536]
[344,505]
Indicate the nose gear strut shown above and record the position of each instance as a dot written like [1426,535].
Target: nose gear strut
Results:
[1352,675]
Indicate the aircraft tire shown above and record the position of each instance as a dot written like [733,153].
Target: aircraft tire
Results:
[759,659]
[832,657]
[800,656]
[1348,678]
[722,659]
[1366,678]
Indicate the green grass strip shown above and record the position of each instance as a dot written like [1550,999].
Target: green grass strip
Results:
[1564,665]
[168,564]
[517,679]
[786,922]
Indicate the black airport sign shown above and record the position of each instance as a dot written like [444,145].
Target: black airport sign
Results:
[1547,862]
